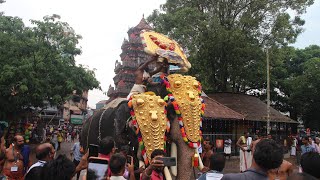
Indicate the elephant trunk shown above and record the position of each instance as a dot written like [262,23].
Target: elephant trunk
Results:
[184,153]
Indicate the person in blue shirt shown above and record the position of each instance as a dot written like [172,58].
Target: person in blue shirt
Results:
[75,151]
[306,147]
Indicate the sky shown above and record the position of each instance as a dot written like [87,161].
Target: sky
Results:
[104,24]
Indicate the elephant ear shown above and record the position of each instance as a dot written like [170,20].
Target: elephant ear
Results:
[150,118]
[184,94]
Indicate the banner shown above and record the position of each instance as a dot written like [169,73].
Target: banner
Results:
[219,143]
[77,119]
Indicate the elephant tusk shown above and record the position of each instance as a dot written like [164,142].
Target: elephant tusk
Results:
[167,173]
[141,164]
[174,169]
[201,166]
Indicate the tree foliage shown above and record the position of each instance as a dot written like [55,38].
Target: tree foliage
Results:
[225,38]
[297,79]
[37,64]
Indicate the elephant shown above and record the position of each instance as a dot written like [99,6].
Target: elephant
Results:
[116,122]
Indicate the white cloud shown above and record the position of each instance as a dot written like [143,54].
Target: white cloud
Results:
[103,25]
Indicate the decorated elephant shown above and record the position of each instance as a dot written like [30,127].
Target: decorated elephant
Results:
[149,122]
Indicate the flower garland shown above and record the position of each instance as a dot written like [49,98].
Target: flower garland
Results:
[138,132]
[176,107]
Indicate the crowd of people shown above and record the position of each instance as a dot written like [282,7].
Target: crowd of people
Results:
[267,162]
[59,134]
[306,149]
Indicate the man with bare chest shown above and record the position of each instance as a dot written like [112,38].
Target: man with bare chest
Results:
[13,166]
[245,152]
[282,172]
[207,153]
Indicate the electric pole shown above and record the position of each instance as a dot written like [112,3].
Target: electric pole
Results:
[268,91]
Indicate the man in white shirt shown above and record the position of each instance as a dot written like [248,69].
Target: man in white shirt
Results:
[44,153]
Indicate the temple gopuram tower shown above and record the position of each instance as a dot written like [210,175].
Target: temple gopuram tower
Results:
[131,57]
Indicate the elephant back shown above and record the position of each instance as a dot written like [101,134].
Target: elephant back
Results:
[100,125]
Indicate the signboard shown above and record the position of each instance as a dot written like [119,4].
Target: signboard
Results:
[77,119]
[219,143]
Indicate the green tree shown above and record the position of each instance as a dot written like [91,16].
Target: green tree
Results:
[37,64]
[297,79]
[225,38]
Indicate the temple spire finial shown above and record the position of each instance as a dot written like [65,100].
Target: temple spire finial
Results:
[143,15]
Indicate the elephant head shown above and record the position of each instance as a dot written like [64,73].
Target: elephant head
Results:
[185,116]
[184,111]
[150,120]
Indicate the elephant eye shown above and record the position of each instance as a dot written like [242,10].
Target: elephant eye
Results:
[177,84]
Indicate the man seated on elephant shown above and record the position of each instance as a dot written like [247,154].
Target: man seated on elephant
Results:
[162,67]
[142,76]
[155,170]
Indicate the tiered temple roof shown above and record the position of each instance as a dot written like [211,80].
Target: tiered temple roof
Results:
[132,55]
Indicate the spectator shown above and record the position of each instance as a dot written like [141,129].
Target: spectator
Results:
[216,166]
[311,142]
[294,146]
[207,153]
[2,151]
[107,147]
[44,153]
[55,140]
[75,151]
[306,147]
[301,176]
[245,153]
[73,135]
[60,138]
[68,137]
[117,167]
[281,173]
[59,169]
[17,159]
[267,155]
[155,170]
[317,144]
[310,163]
[227,147]
[255,142]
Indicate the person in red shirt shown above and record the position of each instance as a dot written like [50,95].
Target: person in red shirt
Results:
[107,147]
[155,170]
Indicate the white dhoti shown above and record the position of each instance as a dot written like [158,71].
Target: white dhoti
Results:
[245,160]
[293,151]
[227,150]
[137,89]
